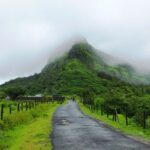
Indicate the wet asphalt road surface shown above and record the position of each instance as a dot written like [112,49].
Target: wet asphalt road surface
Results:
[76,131]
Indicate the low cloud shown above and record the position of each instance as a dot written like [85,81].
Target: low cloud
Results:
[30,31]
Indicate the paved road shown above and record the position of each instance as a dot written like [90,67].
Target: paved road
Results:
[75,131]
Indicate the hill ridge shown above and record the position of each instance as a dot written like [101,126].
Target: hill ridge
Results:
[80,67]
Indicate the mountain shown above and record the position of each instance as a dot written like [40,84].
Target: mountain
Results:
[81,67]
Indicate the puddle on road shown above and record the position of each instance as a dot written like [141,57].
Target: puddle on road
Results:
[65,122]
[62,121]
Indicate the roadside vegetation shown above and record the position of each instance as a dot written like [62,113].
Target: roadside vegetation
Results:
[116,91]
[131,128]
[28,130]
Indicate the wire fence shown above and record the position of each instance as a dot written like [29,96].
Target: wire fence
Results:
[140,117]
[25,104]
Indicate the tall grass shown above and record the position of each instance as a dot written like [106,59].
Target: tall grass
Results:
[18,126]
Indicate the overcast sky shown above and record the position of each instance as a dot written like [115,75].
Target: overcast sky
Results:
[30,31]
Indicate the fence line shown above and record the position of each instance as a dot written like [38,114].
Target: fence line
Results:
[140,119]
[26,104]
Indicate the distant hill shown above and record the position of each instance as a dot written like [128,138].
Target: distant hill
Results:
[82,66]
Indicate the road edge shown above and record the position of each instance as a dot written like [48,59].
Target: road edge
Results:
[137,139]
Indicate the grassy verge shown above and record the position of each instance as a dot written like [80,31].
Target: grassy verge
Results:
[132,129]
[30,133]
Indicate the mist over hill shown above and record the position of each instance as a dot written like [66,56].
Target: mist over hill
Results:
[80,66]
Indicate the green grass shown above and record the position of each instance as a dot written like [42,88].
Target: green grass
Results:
[132,129]
[31,134]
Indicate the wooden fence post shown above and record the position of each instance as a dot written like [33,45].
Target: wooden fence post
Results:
[10,109]
[26,106]
[2,111]
[18,107]
[113,116]
[32,105]
[144,119]
[107,112]
[22,106]
[101,110]
[29,105]
[126,116]
[116,115]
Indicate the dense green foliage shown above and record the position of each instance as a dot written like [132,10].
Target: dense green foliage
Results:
[14,92]
[83,72]
[2,94]
[79,68]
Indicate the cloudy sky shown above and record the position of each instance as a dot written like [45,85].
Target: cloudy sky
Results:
[32,30]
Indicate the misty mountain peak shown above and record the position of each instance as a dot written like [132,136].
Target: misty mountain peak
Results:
[79,61]
[80,48]
[82,51]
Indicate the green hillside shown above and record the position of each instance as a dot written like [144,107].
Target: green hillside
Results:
[99,87]
[78,69]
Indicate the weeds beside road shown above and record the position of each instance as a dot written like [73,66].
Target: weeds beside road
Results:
[28,130]
[132,129]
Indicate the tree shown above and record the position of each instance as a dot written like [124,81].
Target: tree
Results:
[2,94]
[88,96]
[14,92]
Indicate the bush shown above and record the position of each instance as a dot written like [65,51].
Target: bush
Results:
[14,92]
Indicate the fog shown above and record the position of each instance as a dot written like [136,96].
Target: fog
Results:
[34,31]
